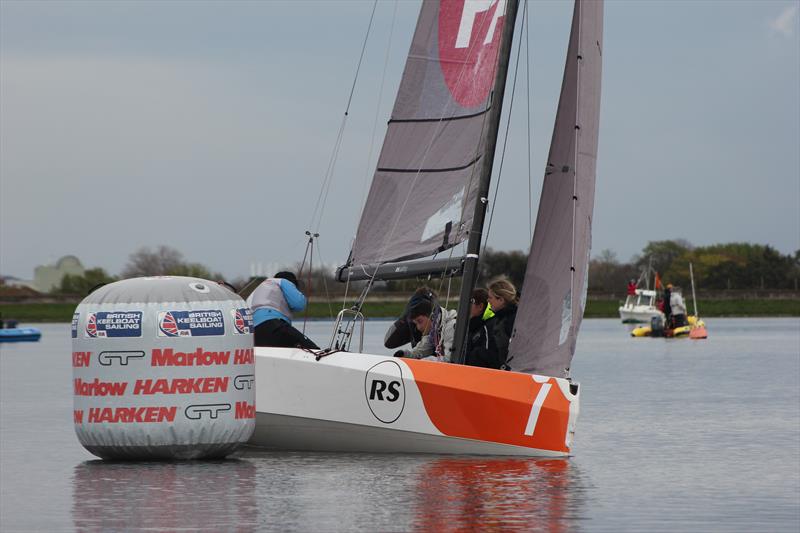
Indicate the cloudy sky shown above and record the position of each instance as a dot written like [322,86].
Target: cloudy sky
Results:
[208,126]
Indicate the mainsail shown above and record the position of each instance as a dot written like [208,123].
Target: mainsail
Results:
[424,190]
[556,278]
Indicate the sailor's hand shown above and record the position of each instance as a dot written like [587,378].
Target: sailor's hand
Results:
[399,353]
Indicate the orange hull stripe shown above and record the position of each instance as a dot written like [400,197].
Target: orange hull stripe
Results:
[491,405]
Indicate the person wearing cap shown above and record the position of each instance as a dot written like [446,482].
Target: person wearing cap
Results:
[273,303]
[481,349]
[436,325]
[403,331]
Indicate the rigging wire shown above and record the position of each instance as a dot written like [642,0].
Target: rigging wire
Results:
[313,240]
[505,136]
[310,254]
[319,207]
[528,94]
[370,168]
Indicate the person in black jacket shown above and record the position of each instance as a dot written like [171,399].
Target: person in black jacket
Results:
[402,331]
[668,306]
[504,299]
[481,349]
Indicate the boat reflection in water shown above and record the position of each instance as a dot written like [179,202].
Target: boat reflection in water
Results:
[497,494]
[160,496]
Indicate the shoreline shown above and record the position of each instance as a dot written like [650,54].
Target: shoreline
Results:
[386,309]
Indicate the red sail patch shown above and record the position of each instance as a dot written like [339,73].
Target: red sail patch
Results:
[469,39]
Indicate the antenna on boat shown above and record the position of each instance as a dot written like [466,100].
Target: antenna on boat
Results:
[694,297]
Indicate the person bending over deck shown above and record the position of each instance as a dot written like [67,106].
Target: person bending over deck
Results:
[437,326]
[504,299]
[403,331]
[272,304]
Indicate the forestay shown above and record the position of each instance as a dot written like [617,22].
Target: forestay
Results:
[425,187]
[556,278]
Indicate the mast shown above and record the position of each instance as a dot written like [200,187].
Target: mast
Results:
[474,243]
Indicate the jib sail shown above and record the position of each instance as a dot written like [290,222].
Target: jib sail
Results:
[556,278]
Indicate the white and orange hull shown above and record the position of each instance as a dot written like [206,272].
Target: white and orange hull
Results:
[351,402]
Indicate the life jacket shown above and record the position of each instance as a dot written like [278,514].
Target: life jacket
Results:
[269,295]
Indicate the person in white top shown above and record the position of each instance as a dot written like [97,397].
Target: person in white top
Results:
[678,308]
[273,303]
[437,326]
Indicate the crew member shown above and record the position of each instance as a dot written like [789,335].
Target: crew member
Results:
[678,307]
[481,348]
[273,303]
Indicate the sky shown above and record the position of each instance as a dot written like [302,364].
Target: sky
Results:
[209,127]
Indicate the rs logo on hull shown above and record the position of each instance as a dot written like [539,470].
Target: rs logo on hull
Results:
[384,391]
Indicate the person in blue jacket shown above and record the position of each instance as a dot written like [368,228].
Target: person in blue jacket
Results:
[273,303]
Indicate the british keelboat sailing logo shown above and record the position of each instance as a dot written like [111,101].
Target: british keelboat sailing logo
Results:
[469,40]
[113,324]
[190,323]
[75,318]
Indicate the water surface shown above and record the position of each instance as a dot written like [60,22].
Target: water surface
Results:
[673,435]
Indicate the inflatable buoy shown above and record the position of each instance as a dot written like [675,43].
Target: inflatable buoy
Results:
[163,368]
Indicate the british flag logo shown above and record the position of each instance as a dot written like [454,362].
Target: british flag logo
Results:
[242,321]
[168,325]
[91,326]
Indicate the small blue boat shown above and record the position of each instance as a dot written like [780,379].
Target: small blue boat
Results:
[9,332]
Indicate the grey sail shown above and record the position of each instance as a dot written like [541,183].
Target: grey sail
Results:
[425,186]
[556,278]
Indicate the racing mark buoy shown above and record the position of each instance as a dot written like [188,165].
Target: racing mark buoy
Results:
[163,368]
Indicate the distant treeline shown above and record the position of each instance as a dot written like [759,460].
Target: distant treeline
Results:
[733,266]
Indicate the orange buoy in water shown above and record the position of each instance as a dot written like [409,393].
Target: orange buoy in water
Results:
[698,332]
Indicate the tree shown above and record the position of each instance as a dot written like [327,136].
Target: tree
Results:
[607,274]
[82,285]
[164,261]
[661,254]
[511,264]
[743,266]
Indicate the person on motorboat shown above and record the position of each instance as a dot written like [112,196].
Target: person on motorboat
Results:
[667,306]
[273,303]
[632,287]
[437,326]
[503,298]
[481,349]
[678,307]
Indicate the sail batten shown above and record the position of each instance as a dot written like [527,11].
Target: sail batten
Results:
[556,277]
[440,119]
[421,170]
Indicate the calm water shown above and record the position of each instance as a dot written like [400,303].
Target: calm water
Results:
[673,435]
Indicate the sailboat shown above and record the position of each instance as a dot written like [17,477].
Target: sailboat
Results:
[428,195]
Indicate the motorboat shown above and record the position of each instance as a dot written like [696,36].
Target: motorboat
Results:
[640,308]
